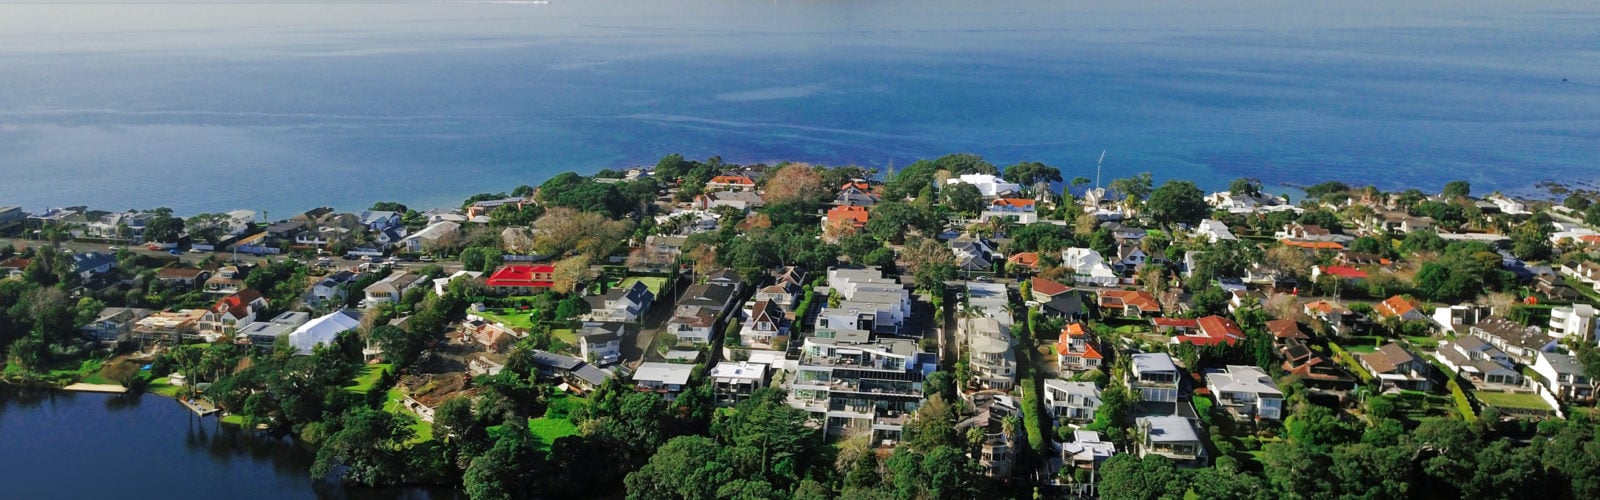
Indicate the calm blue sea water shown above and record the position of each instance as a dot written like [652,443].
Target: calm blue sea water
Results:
[284,106]
[76,446]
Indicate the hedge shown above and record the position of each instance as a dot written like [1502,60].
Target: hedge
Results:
[1350,362]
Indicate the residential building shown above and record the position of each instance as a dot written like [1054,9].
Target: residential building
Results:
[1521,342]
[856,193]
[1563,375]
[573,372]
[733,382]
[1248,203]
[1071,401]
[391,288]
[1455,319]
[1086,451]
[1128,303]
[1478,361]
[228,280]
[869,301]
[1285,329]
[429,238]
[993,363]
[742,200]
[13,267]
[997,452]
[91,264]
[486,363]
[666,379]
[113,323]
[854,215]
[521,279]
[1246,393]
[990,300]
[1577,320]
[441,286]
[1338,319]
[168,326]
[1314,369]
[1023,262]
[601,342]
[323,330]
[784,294]
[1154,376]
[1172,437]
[1018,210]
[1210,331]
[1214,231]
[625,304]
[730,182]
[479,208]
[489,334]
[1076,350]
[231,312]
[693,325]
[765,326]
[1130,256]
[331,287]
[425,393]
[974,254]
[1088,267]
[262,334]
[852,382]
[380,220]
[1395,366]
[1395,222]
[1402,307]
[989,186]
[1055,299]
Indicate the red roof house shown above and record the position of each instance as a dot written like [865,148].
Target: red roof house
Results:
[521,278]
[855,214]
[1213,330]
[1076,350]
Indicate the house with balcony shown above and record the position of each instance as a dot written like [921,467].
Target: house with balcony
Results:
[667,379]
[1563,375]
[1088,267]
[113,323]
[1086,451]
[993,363]
[1055,299]
[228,280]
[1522,343]
[391,288]
[1000,422]
[1172,437]
[263,334]
[1455,319]
[521,279]
[853,382]
[228,314]
[1476,360]
[870,302]
[733,382]
[1314,369]
[1154,377]
[1071,401]
[765,325]
[1210,331]
[692,324]
[991,187]
[1128,303]
[1019,210]
[601,342]
[331,287]
[621,304]
[1077,350]
[1577,320]
[1394,366]
[1246,393]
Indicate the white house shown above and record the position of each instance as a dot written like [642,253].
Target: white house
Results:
[601,343]
[440,285]
[1563,375]
[692,324]
[1575,320]
[1246,392]
[621,304]
[331,287]
[733,382]
[1088,267]
[390,289]
[1074,401]
[1172,437]
[667,379]
[1214,231]
[1154,376]
[988,185]
[426,238]
[323,330]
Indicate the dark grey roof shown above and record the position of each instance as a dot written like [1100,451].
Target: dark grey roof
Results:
[557,361]
[709,295]
[86,261]
[1065,304]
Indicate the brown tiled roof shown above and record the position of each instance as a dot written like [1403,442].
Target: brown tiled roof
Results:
[1047,287]
[1285,329]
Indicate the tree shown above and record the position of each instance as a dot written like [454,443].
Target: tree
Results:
[797,183]
[963,198]
[1031,172]
[162,227]
[480,259]
[510,469]
[1127,476]
[890,221]
[1245,186]
[570,274]
[1457,189]
[1178,202]
[1576,202]
[1135,188]
[367,448]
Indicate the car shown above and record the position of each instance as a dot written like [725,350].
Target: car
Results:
[113,248]
[175,251]
[152,247]
[427,259]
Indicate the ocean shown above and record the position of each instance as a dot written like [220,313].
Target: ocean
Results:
[282,106]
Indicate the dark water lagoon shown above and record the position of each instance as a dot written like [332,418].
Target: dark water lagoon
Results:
[283,105]
[56,444]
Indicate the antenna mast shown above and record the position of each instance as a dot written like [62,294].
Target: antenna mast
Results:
[1097,164]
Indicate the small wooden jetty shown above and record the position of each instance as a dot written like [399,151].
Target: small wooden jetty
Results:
[200,407]
[106,388]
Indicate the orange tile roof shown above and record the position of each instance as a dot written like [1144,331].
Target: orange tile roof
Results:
[1173,322]
[1090,352]
[1138,299]
[1030,259]
[1345,272]
[1397,306]
[1314,245]
[862,186]
[1013,202]
[1074,330]
[1047,287]
[856,215]
[732,179]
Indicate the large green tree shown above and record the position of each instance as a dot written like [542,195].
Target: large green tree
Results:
[1177,202]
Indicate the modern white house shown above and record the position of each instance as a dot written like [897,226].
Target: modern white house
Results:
[735,381]
[1577,320]
[1246,392]
[1214,231]
[667,379]
[1172,437]
[989,186]
[1073,401]
[994,364]
[1563,375]
[1088,267]
[1154,376]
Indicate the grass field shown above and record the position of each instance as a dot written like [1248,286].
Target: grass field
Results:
[164,387]
[566,335]
[369,377]
[1511,400]
[655,284]
[391,404]
[514,319]
[548,430]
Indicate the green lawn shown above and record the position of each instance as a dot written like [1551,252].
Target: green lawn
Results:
[95,378]
[1511,400]
[391,404]
[513,319]
[654,283]
[1359,348]
[548,430]
[369,377]
[164,387]
[566,335]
